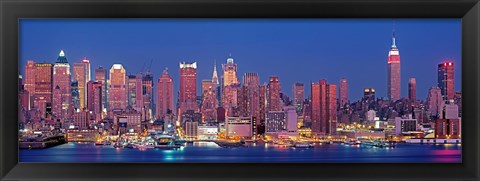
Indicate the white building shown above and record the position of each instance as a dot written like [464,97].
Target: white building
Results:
[292,118]
[207,132]
[370,115]
[275,121]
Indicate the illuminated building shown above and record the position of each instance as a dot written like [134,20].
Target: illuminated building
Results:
[451,111]
[412,89]
[445,79]
[207,132]
[343,92]
[43,89]
[404,125]
[435,102]
[216,85]
[117,91]
[209,105]
[94,99]
[262,89]
[75,95]
[230,73]
[393,79]
[298,95]
[188,87]
[101,77]
[81,118]
[229,98]
[29,80]
[164,95]
[132,90]
[324,108]
[81,72]
[239,127]
[275,121]
[369,94]
[129,120]
[61,78]
[251,96]
[274,102]
[191,130]
[147,95]
[291,118]
[448,128]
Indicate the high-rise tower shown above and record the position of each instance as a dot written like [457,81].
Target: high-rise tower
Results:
[393,79]
[164,95]
[445,79]
[230,73]
[62,79]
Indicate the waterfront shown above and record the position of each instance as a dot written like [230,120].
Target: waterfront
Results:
[210,152]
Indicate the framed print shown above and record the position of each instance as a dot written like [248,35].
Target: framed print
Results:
[239,90]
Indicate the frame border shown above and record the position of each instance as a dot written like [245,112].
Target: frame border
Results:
[12,10]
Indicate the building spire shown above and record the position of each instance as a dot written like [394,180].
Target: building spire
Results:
[61,57]
[215,75]
[394,44]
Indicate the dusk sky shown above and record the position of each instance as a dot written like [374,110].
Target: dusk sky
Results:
[295,50]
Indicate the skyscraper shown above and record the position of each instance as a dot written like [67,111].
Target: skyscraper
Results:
[412,89]
[61,78]
[43,88]
[164,95]
[252,95]
[324,108]
[101,77]
[230,73]
[435,102]
[274,102]
[147,95]
[132,90]
[343,92]
[29,79]
[81,72]
[94,99]
[118,97]
[216,84]
[188,87]
[445,79]
[393,79]
[298,95]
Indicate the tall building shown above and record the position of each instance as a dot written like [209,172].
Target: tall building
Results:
[412,89]
[343,92]
[81,119]
[118,97]
[131,90]
[43,88]
[137,104]
[101,77]
[298,95]
[251,83]
[94,99]
[230,73]
[393,79]
[274,101]
[435,102]
[61,78]
[262,89]
[324,108]
[75,95]
[207,85]
[147,95]
[29,80]
[216,84]
[276,121]
[369,94]
[445,79]
[188,87]
[81,72]
[164,95]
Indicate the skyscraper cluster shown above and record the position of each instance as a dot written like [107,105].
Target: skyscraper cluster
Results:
[52,91]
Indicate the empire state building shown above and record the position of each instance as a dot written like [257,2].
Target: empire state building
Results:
[393,78]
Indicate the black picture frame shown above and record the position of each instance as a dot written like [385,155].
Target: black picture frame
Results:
[13,10]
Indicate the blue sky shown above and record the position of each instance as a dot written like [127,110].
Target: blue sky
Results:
[296,50]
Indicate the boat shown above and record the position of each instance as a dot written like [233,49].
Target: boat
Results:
[352,141]
[143,146]
[302,145]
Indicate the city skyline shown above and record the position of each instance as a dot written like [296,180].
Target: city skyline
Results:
[244,59]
